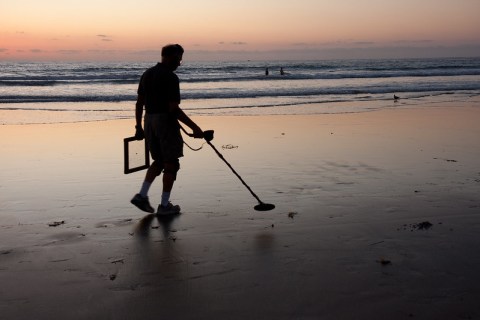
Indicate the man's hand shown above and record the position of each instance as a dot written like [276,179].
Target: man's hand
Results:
[198,133]
[139,134]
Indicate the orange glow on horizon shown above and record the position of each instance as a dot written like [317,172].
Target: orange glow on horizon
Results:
[57,30]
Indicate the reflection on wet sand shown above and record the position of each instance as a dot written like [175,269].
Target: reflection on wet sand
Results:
[343,186]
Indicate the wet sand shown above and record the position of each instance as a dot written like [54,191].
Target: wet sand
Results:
[377,217]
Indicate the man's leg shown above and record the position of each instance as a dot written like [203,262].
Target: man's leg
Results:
[154,171]
[141,199]
[169,177]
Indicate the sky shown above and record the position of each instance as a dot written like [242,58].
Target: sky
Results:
[238,30]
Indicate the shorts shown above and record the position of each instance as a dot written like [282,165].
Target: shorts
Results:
[163,136]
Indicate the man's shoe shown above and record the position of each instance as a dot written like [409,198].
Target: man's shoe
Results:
[169,209]
[142,203]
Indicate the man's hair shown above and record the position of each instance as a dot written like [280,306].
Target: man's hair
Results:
[172,50]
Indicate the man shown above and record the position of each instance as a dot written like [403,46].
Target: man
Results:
[159,92]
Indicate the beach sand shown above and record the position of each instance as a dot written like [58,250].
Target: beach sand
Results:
[377,217]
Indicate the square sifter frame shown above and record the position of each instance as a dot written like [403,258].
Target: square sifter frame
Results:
[127,169]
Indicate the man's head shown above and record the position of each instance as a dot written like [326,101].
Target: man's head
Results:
[172,55]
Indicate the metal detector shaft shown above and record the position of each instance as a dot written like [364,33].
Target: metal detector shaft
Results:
[208,136]
[233,170]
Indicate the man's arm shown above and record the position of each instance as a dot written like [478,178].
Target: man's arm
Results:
[182,117]
[139,134]
[139,109]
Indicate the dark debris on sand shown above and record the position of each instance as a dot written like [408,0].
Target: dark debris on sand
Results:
[292,214]
[425,225]
[56,223]
[384,262]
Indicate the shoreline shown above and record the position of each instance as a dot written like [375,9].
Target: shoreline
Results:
[347,238]
[21,113]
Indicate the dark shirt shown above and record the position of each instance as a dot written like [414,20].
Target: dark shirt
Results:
[159,86]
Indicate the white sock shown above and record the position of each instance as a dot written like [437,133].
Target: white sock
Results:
[165,198]
[145,187]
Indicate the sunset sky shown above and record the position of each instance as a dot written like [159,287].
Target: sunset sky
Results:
[246,29]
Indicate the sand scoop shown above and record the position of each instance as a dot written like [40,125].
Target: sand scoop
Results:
[208,136]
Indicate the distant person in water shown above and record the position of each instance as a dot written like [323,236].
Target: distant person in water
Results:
[282,72]
[159,92]
[266,71]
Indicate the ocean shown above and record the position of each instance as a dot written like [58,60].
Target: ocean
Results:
[54,92]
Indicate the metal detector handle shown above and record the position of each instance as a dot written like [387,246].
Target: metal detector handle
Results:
[207,134]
